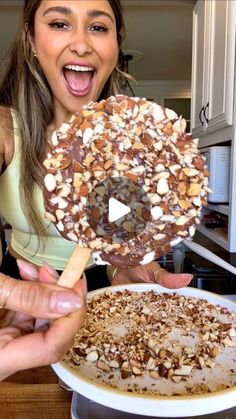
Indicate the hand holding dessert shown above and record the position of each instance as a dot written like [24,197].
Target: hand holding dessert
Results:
[26,342]
[149,273]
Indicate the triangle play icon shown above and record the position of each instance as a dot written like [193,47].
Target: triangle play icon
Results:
[116,210]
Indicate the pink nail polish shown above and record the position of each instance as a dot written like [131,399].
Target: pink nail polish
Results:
[64,302]
[28,269]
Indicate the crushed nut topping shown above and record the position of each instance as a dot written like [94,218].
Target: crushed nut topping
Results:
[157,343]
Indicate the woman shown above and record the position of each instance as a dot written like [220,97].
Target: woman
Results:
[65,55]
[63,58]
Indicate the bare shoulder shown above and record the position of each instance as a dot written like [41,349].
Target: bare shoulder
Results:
[6,136]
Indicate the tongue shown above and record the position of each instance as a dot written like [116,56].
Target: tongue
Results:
[78,80]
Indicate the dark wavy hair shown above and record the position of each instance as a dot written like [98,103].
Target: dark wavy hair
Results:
[24,88]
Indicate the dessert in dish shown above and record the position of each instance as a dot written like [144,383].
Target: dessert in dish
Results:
[138,142]
[156,344]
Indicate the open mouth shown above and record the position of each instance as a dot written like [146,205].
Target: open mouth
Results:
[78,78]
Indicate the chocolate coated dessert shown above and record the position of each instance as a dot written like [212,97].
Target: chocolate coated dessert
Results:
[139,151]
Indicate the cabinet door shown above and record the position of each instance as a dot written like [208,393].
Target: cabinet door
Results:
[213,64]
[219,105]
[198,58]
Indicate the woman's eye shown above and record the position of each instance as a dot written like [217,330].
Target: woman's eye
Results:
[98,28]
[58,25]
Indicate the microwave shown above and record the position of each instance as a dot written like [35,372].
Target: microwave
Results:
[218,164]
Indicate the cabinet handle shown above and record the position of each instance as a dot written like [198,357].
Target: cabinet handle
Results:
[200,115]
[204,112]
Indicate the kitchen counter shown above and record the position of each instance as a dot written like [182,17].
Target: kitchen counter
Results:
[34,394]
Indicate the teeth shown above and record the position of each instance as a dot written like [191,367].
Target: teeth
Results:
[78,68]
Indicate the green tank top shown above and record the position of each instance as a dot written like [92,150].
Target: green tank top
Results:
[57,250]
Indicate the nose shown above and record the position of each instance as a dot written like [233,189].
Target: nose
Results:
[80,44]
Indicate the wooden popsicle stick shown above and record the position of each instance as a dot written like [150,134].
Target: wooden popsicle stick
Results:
[75,267]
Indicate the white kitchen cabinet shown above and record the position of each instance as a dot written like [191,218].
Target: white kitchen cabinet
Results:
[213,104]
[213,62]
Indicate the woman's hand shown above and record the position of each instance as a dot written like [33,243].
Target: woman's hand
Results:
[150,273]
[25,341]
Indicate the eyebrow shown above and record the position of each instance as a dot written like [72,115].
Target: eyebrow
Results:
[68,11]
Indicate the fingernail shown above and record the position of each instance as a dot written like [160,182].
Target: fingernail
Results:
[50,270]
[28,269]
[41,325]
[64,302]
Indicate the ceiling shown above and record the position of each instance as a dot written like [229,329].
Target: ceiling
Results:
[160,30]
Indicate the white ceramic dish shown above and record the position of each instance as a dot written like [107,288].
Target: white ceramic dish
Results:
[159,406]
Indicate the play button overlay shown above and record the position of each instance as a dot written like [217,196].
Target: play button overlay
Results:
[118,209]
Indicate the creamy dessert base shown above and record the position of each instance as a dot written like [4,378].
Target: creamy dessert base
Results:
[156,343]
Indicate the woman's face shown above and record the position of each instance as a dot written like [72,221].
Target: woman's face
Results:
[76,45]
